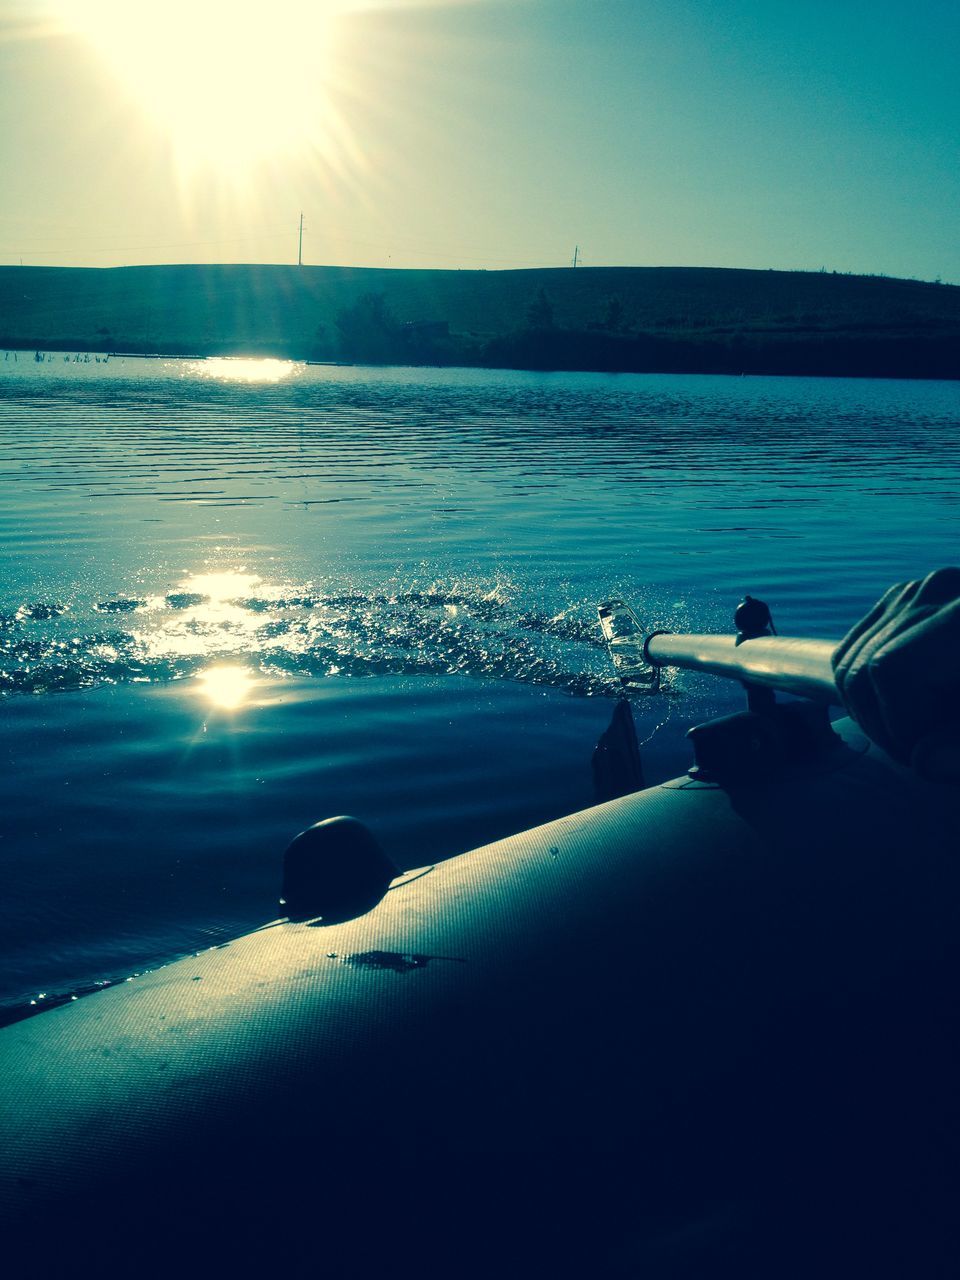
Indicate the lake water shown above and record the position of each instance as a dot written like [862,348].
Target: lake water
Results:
[236,598]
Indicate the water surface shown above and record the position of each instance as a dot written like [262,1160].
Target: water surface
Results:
[237,598]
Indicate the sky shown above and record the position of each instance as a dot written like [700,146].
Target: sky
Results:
[793,134]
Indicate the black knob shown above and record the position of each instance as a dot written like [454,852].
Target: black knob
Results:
[334,871]
[752,619]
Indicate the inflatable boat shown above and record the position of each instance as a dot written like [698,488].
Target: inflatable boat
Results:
[702,1029]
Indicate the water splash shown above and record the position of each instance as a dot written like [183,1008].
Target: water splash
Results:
[475,629]
[482,628]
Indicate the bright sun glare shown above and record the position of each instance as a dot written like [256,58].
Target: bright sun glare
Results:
[232,82]
[226,687]
[231,369]
[228,585]
[207,617]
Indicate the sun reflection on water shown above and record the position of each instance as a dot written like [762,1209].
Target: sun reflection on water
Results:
[205,617]
[234,369]
[227,687]
[228,585]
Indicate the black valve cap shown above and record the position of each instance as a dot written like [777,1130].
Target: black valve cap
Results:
[752,618]
[335,870]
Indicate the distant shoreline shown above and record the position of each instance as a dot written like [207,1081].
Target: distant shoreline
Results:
[608,320]
[105,356]
[798,368]
[72,353]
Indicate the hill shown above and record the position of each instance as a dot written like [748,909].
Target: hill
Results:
[631,318]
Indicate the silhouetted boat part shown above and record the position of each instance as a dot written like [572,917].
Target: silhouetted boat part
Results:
[703,1029]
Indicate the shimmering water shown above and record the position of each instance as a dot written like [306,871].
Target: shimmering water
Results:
[236,598]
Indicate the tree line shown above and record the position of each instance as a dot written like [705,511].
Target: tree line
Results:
[368,332]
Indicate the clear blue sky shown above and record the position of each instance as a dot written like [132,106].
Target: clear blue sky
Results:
[747,133]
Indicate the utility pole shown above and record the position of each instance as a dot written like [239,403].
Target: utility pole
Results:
[300,247]
[576,254]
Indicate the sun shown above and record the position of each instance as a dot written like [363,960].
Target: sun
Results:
[231,82]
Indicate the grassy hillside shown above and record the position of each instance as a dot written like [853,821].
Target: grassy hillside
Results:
[599,317]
